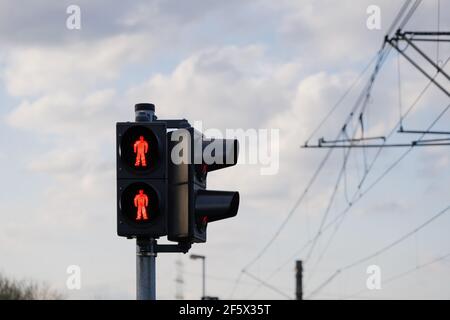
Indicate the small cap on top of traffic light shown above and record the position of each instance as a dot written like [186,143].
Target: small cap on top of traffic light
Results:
[144,107]
[144,112]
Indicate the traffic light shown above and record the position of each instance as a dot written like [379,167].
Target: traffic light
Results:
[192,206]
[141,179]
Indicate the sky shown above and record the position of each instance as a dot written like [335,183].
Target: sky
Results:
[254,64]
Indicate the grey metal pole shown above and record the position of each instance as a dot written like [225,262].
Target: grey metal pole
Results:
[203,258]
[299,280]
[204,277]
[145,269]
[145,248]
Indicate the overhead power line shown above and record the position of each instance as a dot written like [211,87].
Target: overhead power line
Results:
[382,54]
[403,274]
[377,252]
[380,57]
[357,197]
[273,288]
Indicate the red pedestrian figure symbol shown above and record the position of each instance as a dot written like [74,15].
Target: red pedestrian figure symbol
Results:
[141,149]
[141,203]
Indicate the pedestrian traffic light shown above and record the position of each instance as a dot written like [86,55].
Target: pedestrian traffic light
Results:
[191,206]
[160,195]
[141,179]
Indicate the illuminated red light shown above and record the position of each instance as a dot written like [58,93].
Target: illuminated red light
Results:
[141,149]
[141,203]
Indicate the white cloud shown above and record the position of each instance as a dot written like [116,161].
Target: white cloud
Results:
[238,85]
[75,68]
[71,93]
[67,114]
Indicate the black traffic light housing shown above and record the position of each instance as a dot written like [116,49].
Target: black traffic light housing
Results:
[191,206]
[141,179]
